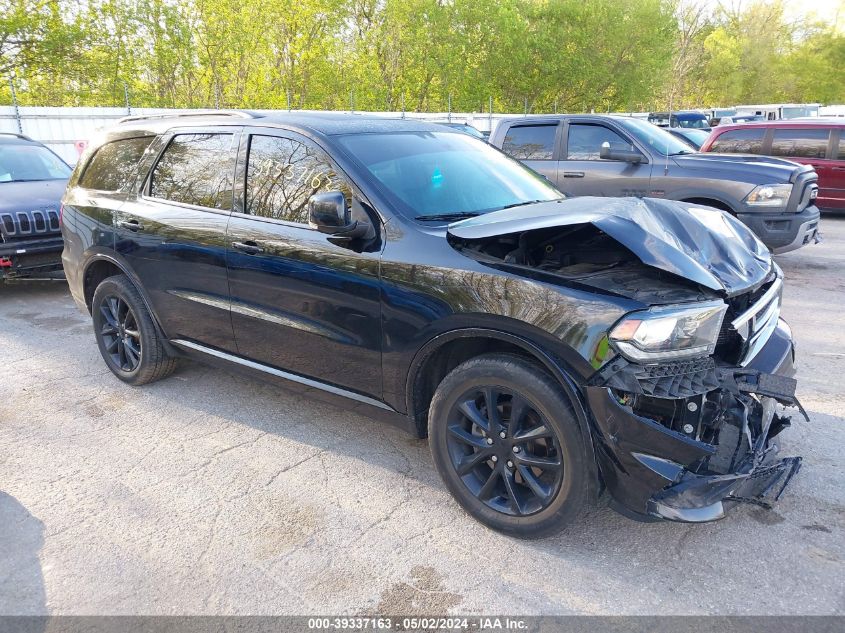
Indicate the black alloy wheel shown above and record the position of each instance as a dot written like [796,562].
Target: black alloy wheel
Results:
[507,443]
[120,333]
[504,451]
[128,339]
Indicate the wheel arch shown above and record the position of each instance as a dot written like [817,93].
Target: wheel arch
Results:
[100,266]
[710,201]
[446,351]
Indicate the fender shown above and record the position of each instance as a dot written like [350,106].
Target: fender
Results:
[555,366]
[98,254]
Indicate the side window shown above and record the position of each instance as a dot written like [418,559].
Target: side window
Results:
[196,169]
[530,142]
[584,141]
[806,143]
[113,165]
[282,174]
[748,141]
[840,155]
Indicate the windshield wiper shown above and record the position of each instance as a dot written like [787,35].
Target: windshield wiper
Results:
[448,217]
[683,152]
[521,204]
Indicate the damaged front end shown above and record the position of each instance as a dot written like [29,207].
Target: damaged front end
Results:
[677,440]
[684,400]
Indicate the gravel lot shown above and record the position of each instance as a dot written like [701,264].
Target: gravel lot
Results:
[214,493]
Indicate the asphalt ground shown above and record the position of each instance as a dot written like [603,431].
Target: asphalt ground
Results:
[213,493]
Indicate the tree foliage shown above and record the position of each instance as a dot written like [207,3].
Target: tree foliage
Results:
[568,55]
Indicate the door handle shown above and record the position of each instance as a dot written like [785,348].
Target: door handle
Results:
[250,248]
[131,225]
[573,174]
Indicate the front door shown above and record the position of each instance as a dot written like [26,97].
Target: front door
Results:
[173,235]
[300,302]
[583,172]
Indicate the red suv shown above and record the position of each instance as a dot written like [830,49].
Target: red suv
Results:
[820,143]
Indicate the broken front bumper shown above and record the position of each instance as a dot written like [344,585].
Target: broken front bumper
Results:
[717,444]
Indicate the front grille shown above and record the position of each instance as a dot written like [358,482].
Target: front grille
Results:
[756,324]
[28,224]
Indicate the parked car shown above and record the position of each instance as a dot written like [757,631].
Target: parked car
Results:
[692,137]
[547,347]
[741,118]
[691,120]
[32,181]
[601,155]
[819,143]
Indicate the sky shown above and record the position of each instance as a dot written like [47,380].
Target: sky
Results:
[830,11]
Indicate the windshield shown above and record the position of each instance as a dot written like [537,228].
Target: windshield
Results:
[430,175]
[22,163]
[661,141]
[694,124]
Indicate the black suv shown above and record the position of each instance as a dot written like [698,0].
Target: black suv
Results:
[548,348]
[32,181]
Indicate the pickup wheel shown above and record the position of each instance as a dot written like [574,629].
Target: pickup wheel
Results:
[126,335]
[506,443]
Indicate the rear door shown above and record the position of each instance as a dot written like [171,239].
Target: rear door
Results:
[836,187]
[583,172]
[173,234]
[300,301]
[810,146]
[535,144]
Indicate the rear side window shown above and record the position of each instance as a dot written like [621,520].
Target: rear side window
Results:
[739,141]
[530,142]
[840,155]
[801,143]
[583,142]
[282,174]
[196,169]
[113,166]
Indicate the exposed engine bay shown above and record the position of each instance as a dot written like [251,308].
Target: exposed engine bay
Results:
[584,255]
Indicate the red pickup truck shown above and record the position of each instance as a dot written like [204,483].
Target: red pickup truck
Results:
[820,143]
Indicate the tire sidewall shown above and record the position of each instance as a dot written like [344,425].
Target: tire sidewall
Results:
[540,391]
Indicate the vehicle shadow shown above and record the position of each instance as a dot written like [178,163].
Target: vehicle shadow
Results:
[21,580]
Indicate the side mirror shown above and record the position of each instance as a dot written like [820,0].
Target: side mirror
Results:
[328,213]
[625,155]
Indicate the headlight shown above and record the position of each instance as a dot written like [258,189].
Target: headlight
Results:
[769,196]
[669,333]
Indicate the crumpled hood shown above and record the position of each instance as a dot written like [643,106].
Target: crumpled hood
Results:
[704,245]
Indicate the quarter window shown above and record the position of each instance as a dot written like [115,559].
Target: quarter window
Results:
[196,169]
[584,141]
[282,174]
[739,142]
[801,143]
[530,142]
[113,165]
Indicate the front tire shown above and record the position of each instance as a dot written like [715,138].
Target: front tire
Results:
[506,443]
[126,335]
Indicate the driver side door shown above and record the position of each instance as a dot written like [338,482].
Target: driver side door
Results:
[584,173]
[301,301]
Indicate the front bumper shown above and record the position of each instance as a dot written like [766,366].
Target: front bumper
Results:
[32,257]
[784,232]
[720,444]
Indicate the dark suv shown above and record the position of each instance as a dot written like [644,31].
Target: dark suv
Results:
[548,348]
[32,181]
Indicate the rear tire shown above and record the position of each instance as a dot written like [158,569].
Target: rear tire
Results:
[126,335]
[522,470]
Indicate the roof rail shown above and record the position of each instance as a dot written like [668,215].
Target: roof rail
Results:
[16,135]
[240,114]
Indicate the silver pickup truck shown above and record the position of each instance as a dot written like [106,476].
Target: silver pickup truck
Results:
[603,155]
